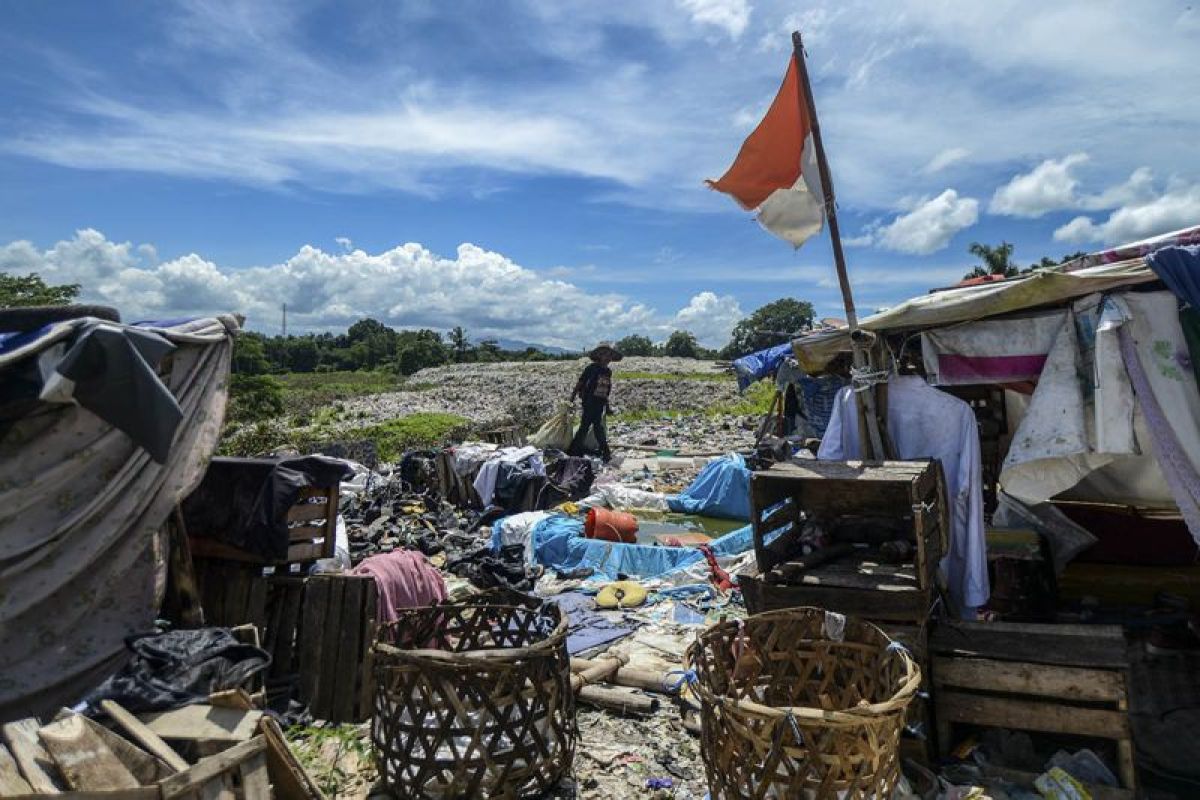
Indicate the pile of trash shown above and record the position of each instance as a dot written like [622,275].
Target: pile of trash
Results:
[526,393]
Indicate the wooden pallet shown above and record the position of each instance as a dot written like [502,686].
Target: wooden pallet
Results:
[337,627]
[1063,679]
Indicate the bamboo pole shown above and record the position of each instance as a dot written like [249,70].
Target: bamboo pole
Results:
[873,446]
[630,677]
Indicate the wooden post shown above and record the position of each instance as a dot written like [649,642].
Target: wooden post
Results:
[873,446]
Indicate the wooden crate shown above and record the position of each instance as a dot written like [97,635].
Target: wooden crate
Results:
[1060,679]
[312,523]
[227,497]
[910,493]
[232,592]
[336,629]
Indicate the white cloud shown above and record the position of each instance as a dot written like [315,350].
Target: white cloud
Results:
[928,227]
[709,317]
[947,157]
[623,93]
[1050,186]
[1177,207]
[732,16]
[344,242]
[406,287]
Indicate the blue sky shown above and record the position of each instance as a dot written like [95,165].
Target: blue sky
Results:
[534,170]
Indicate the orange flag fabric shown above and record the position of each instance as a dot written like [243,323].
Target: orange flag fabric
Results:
[775,173]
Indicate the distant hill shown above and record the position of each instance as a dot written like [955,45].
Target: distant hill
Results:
[517,344]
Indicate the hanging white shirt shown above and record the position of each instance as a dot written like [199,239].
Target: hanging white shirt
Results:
[924,422]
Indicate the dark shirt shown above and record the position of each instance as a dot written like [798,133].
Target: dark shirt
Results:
[595,382]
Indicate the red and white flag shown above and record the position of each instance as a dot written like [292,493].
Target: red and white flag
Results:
[775,173]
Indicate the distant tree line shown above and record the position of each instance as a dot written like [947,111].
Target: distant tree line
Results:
[370,345]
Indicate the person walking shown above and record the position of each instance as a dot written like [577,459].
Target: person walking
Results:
[593,388]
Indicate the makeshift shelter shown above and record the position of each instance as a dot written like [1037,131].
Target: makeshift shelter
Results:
[104,429]
[1095,365]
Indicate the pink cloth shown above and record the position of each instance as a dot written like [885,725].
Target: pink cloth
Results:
[405,579]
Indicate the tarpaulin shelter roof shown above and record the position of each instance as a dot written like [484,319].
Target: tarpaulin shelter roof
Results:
[1181,237]
[1041,288]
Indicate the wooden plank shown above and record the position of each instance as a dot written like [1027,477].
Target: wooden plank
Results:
[285,637]
[848,470]
[366,702]
[1030,715]
[212,767]
[315,604]
[330,678]
[908,606]
[256,784]
[11,780]
[306,533]
[303,512]
[305,552]
[145,767]
[143,735]
[288,778]
[349,656]
[83,759]
[218,788]
[1043,680]
[231,698]
[36,765]
[204,723]
[1063,645]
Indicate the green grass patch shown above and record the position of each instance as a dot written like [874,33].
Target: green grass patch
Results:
[323,751]
[306,393]
[673,376]
[394,437]
[755,401]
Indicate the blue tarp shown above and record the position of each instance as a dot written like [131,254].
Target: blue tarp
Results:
[722,489]
[559,544]
[1179,269]
[762,364]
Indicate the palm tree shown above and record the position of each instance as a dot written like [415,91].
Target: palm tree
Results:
[996,260]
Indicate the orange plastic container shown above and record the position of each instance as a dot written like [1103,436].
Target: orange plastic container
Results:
[611,526]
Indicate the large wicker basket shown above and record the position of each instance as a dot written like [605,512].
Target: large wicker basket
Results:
[801,703]
[473,700]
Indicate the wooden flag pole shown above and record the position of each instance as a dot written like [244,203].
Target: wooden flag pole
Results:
[866,399]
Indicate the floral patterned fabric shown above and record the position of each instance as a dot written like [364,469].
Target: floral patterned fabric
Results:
[82,563]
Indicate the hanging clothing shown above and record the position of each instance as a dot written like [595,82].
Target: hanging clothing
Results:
[1179,268]
[924,422]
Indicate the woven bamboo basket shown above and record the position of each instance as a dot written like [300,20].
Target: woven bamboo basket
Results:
[473,700]
[801,703]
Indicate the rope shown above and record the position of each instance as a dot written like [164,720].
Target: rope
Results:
[864,378]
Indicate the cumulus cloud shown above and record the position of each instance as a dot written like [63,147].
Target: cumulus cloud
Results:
[1177,207]
[709,317]
[1050,186]
[928,227]
[406,287]
[732,16]
[1054,186]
